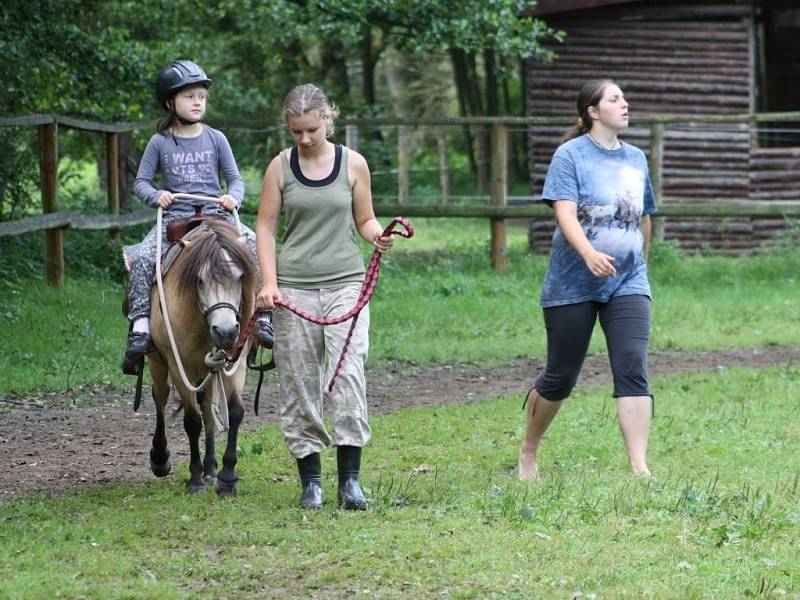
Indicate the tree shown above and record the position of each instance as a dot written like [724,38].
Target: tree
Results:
[98,59]
[62,60]
[478,34]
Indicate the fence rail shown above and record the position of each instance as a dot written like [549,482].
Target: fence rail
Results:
[54,221]
[71,220]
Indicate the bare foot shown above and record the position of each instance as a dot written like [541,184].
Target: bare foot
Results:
[528,469]
[642,472]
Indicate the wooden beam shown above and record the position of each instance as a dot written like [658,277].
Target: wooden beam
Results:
[63,219]
[48,170]
[112,178]
[351,137]
[655,163]
[402,164]
[499,195]
[708,208]
[37,223]
[444,166]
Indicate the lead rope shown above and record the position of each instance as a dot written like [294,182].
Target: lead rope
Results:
[367,289]
[215,359]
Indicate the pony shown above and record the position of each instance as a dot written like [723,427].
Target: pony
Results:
[209,291]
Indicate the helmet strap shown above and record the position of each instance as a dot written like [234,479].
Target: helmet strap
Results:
[176,117]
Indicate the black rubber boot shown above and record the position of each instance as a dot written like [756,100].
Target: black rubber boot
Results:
[311,481]
[349,495]
[264,330]
[139,344]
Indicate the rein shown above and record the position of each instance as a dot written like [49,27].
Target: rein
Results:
[367,289]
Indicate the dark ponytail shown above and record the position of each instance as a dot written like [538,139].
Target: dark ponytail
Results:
[167,121]
[589,95]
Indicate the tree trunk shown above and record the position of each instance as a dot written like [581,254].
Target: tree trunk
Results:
[367,67]
[517,155]
[524,169]
[460,75]
[127,171]
[490,66]
[483,133]
[333,67]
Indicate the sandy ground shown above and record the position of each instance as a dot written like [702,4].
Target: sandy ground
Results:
[58,442]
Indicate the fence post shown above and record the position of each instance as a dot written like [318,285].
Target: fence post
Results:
[499,195]
[444,167]
[656,161]
[112,179]
[402,164]
[482,141]
[351,137]
[48,171]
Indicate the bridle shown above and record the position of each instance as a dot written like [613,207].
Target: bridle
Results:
[216,360]
[219,305]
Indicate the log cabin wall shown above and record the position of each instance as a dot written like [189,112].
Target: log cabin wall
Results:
[670,58]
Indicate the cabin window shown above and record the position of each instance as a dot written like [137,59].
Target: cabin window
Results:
[779,71]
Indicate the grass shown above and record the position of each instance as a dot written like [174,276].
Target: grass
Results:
[720,519]
[438,300]
[58,339]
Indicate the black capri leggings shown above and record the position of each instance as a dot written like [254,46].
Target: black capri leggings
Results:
[626,323]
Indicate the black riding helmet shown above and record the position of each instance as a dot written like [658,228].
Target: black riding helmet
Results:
[177,75]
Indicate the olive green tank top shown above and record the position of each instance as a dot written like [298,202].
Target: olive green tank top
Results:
[319,248]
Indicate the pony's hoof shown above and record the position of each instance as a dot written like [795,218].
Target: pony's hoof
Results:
[195,488]
[161,470]
[225,489]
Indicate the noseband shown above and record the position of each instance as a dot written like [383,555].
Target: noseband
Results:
[219,305]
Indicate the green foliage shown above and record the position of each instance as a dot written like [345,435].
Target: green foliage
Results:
[89,255]
[68,61]
[98,59]
[448,518]
[19,171]
[431,26]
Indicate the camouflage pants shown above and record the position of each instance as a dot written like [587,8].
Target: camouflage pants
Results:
[305,356]
[143,269]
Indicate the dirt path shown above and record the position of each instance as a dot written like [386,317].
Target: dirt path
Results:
[52,445]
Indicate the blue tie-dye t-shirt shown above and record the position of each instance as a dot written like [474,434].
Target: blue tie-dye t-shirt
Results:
[612,190]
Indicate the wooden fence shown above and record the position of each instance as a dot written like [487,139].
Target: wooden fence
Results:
[53,221]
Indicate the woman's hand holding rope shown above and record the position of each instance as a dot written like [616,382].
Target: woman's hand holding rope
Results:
[270,297]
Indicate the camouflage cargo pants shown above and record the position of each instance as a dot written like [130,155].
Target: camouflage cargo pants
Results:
[305,356]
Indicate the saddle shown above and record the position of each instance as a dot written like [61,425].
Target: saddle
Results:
[180,227]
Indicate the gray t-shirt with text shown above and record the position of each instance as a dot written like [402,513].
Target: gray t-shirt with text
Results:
[190,166]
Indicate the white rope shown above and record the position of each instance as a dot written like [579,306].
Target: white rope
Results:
[215,359]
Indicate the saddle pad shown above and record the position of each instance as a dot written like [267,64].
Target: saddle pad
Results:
[129,253]
[175,249]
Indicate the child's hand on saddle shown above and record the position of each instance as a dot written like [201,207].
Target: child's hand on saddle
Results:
[228,202]
[165,199]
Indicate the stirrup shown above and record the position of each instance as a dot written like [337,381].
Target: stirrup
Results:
[132,366]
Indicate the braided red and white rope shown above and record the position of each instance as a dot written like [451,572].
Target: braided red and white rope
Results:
[367,289]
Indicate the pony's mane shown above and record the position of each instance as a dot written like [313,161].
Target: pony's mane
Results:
[208,246]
